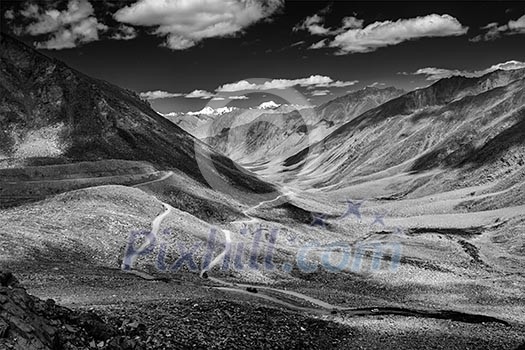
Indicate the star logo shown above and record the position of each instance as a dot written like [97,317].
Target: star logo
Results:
[379,219]
[353,209]
[244,230]
[318,219]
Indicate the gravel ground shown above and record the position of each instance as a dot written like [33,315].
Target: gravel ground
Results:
[187,313]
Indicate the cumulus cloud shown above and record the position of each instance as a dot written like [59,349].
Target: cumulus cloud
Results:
[125,32]
[158,94]
[318,45]
[185,23]
[387,33]
[433,73]
[494,30]
[314,25]
[353,37]
[518,25]
[9,14]
[352,23]
[202,94]
[67,28]
[339,83]
[312,81]
[231,91]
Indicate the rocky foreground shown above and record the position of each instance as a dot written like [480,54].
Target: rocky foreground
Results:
[199,318]
[28,323]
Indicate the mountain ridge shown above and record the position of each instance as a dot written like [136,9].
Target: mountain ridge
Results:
[50,110]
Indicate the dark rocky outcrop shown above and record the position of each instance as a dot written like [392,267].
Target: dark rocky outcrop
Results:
[29,323]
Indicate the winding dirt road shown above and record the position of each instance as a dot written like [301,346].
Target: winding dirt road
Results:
[318,306]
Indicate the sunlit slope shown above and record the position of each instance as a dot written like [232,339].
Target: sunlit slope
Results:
[456,133]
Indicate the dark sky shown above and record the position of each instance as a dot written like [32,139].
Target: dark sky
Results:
[264,49]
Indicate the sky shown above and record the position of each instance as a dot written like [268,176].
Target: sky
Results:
[183,55]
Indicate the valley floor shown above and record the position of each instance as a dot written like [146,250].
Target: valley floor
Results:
[187,312]
[459,283]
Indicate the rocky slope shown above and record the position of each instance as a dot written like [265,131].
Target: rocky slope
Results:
[29,323]
[50,111]
[457,132]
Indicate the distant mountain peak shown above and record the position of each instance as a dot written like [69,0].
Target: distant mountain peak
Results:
[213,111]
[268,105]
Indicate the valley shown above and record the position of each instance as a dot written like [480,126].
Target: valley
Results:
[380,217]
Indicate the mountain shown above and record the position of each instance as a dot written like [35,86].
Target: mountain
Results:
[262,142]
[50,111]
[343,109]
[269,105]
[189,122]
[455,133]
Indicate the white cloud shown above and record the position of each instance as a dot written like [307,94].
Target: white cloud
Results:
[339,83]
[158,94]
[495,31]
[185,23]
[68,28]
[298,43]
[352,37]
[314,25]
[352,23]
[125,32]
[200,94]
[9,14]
[227,91]
[312,81]
[238,86]
[433,73]
[518,25]
[320,92]
[387,33]
[318,45]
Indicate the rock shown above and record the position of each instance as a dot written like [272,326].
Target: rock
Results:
[4,328]
[8,280]
[251,289]
[29,323]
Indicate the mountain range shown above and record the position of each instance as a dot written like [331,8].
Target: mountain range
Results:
[409,206]
[52,113]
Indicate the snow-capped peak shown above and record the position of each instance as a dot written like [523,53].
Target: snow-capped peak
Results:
[268,105]
[211,111]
